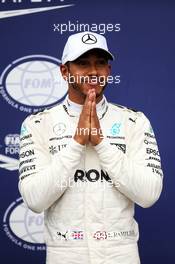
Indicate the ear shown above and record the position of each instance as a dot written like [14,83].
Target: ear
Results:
[109,69]
[64,71]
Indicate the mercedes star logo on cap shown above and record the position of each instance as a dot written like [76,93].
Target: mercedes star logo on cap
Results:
[89,39]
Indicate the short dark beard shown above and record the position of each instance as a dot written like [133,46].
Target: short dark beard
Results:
[76,87]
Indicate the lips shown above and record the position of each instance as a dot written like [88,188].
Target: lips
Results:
[93,83]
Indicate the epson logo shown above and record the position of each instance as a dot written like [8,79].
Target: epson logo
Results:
[27,153]
[152,151]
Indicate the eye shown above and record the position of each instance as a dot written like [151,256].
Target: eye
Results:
[102,62]
[82,63]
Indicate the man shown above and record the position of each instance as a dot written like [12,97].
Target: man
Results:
[85,162]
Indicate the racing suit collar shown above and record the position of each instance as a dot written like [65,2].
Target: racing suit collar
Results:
[74,109]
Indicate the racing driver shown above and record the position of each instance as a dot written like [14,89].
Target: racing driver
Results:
[85,162]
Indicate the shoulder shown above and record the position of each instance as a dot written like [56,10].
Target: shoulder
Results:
[125,110]
[43,115]
[41,120]
[132,116]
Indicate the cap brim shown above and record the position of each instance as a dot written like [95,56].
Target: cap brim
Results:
[79,54]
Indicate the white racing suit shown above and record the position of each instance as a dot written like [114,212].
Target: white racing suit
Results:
[88,192]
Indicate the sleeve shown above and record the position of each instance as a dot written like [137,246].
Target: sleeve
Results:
[137,173]
[42,180]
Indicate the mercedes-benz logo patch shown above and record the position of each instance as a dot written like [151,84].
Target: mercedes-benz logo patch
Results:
[59,129]
[89,39]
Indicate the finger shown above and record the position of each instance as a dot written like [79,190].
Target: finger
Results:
[86,112]
[91,94]
[93,110]
[86,105]
[91,97]
[94,116]
[94,96]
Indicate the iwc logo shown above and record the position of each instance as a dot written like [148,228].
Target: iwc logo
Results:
[23,227]
[89,39]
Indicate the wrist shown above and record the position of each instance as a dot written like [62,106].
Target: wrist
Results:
[97,142]
[79,140]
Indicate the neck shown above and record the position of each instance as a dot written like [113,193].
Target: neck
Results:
[74,108]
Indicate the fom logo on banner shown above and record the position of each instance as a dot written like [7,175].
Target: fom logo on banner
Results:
[23,227]
[31,83]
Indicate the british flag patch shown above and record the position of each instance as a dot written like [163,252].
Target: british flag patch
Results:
[77,235]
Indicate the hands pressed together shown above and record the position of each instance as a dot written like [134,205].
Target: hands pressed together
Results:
[88,129]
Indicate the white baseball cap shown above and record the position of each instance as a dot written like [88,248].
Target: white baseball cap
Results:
[79,43]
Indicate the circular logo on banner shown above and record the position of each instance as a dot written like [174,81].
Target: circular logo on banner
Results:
[89,39]
[32,83]
[23,227]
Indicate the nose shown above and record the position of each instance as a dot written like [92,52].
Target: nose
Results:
[92,70]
